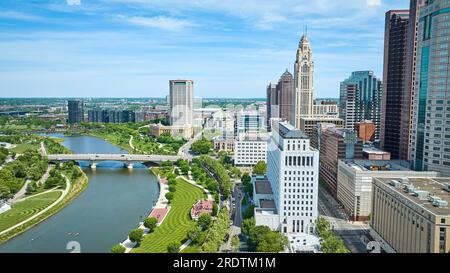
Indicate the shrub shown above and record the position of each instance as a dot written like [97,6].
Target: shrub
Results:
[151,223]
[174,247]
[136,235]
[118,249]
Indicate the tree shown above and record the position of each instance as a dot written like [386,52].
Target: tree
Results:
[202,146]
[272,242]
[249,213]
[330,242]
[172,188]
[150,223]
[136,235]
[118,249]
[194,234]
[235,243]
[248,225]
[174,247]
[246,178]
[260,168]
[256,235]
[204,221]
[184,169]
[215,209]
[169,196]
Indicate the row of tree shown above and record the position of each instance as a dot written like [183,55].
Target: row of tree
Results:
[220,173]
[217,232]
[330,242]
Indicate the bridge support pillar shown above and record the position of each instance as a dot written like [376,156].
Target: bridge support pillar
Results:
[129,166]
[93,165]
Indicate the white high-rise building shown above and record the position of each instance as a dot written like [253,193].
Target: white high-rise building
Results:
[303,83]
[291,203]
[181,102]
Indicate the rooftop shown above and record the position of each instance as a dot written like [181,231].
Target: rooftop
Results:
[378,165]
[373,150]
[262,186]
[267,204]
[423,191]
[286,130]
[322,118]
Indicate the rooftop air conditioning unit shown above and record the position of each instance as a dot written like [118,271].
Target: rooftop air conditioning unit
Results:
[422,195]
[409,188]
[395,183]
[447,187]
[440,203]
[433,198]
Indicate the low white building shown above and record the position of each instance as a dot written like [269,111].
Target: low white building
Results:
[249,149]
[354,185]
[304,243]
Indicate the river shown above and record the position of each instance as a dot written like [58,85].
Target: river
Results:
[102,215]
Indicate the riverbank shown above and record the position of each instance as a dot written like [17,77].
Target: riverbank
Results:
[76,188]
[159,211]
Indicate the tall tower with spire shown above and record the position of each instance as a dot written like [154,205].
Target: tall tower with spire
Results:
[303,83]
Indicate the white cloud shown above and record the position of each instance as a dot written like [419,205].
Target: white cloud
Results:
[18,15]
[374,2]
[161,22]
[73,2]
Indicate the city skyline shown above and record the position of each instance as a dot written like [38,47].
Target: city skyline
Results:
[101,49]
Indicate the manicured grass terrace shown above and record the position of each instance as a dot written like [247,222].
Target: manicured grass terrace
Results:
[27,208]
[177,223]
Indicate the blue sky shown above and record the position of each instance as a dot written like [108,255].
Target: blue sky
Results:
[132,48]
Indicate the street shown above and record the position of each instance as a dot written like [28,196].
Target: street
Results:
[235,229]
[351,233]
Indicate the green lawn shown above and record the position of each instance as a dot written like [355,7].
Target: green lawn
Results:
[25,209]
[177,222]
[191,249]
[21,148]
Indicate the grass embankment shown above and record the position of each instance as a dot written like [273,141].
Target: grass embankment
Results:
[177,223]
[76,188]
[20,211]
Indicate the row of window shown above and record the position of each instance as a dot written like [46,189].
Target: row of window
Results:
[300,161]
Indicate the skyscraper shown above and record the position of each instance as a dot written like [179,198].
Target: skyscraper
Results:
[181,102]
[410,79]
[395,43]
[285,91]
[360,100]
[272,103]
[303,83]
[431,118]
[76,111]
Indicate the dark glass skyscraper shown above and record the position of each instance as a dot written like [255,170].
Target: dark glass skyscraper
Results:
[395,44]
[431,119]
[360,100]
[76,111]
[285,90]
